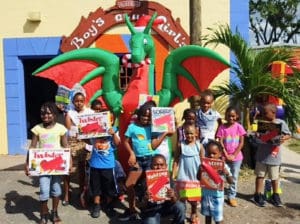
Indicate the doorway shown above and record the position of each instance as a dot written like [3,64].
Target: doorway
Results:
[37,91]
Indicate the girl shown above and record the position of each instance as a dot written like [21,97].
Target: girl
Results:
[190,118]
[140,146]
[187,159]
[48,134]
[212,202]
[231,135]
[78,151]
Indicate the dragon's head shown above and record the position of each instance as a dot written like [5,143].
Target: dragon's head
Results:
[141,43]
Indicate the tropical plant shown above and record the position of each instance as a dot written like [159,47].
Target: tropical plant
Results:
[254,79]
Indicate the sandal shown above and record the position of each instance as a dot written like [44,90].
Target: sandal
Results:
[65,203]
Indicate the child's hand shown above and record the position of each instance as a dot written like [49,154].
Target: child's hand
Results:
[170,133]
[230,157]
[171,194]
[132,161]
[111,131]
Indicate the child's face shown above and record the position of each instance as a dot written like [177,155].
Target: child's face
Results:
[144,119]
[231,117]
[159,163]
[195,102]
[190,118]
[213,152]
[97,108]
[78,102]
[102,144]
[205,103]
[269,115]
[190,134]
[47,116]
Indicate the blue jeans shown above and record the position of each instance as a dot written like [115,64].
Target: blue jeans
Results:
[49,186]
[152,214]
[235,167]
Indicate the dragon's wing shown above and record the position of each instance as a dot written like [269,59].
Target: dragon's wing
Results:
[191,69]
[70,68]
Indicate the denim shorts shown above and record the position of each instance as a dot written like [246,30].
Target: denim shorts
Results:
[49,186]
[144,163]
[212,206]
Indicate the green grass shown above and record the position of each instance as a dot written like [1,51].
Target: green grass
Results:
[294,145]
[245,173]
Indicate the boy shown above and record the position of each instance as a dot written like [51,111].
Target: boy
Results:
[208,119]
[153,211]
[268,163]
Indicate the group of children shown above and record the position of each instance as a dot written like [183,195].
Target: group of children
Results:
[201,135]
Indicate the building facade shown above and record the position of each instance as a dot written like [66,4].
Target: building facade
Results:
[33,32]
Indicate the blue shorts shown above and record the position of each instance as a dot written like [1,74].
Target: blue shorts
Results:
[212,206]
[144,163]
[49,186]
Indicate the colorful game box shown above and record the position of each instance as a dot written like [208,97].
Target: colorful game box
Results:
[210,174]
[49,162]
[189,190]
[163,119]
[158,182]
[94,125]
[269,132]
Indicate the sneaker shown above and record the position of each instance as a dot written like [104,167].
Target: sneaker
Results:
[110,211]
[128,215]
[259,200]
[96,211]
[54,217]
[232,202]
[276,201]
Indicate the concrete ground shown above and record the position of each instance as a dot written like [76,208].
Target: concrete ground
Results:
[20,201]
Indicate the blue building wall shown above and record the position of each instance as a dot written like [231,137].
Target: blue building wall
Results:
[14,50]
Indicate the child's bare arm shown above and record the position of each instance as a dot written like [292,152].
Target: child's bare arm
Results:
[175,162]
[132,157]
[116,139]
[64,141]
[157,141]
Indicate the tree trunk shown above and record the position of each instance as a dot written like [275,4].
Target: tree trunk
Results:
[246,118]
[195,22]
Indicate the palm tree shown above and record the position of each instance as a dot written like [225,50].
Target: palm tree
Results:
[252,69]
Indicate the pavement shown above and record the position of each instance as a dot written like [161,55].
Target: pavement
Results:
[20,194]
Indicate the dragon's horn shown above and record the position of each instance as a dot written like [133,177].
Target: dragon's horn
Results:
[147,29]
[129,24]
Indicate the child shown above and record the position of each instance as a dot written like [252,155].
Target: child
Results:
[268,163]
[194,102]
[208,119]
[140,146]
[190,118]
[187,159]
[212,202]
[78,147]
[48,134]
[97,106]
[102,164]
[153,211]
[231,135]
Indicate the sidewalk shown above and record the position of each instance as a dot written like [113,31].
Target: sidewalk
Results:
[290,169]
[10,163]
